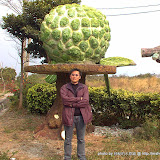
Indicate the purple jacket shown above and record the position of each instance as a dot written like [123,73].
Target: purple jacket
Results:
[70,102]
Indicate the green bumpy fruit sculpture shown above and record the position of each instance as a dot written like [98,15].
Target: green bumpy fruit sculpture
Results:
[75,33]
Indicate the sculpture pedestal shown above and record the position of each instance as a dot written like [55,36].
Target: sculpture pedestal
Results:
[53,124]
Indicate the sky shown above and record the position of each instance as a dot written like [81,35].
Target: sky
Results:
[129,33]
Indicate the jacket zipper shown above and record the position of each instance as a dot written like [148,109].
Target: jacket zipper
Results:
[71,113]
[72,108]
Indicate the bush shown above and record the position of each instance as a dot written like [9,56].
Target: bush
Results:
[40,98]
[29,82]
[149,130]
[129,109]
[15,98]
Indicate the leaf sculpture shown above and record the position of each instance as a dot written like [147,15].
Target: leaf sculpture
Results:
[51,79]
[115,61]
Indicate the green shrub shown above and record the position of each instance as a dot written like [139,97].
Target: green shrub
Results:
[149,130]
[29,82]
[15,98]
[40,98]
[129,109]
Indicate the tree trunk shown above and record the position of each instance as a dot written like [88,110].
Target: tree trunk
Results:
[53,123]
[26,57]
[21,82]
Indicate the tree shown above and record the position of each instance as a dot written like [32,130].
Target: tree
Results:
[34,13]
[14,25]
[15,29]
[29,22]
[8,73]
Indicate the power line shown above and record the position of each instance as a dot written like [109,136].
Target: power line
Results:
[152,5]
[123,14]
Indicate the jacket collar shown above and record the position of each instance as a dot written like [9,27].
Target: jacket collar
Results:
[69,86]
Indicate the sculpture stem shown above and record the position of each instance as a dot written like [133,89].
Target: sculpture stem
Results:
[107,84]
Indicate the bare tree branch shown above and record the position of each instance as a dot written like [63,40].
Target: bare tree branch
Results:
[16,7]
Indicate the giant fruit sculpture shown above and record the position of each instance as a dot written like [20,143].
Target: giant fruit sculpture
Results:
[75,33]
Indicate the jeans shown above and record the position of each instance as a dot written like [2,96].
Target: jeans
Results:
[80,129]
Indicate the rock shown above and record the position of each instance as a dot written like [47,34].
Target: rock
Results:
[111,131]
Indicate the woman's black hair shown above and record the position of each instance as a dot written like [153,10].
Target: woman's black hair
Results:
[75,69]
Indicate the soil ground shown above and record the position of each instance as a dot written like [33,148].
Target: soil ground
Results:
[17,135]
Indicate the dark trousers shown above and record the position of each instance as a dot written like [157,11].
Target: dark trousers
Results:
[80,129]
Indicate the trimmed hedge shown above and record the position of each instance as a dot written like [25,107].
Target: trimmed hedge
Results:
[40,98]
[128,109]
